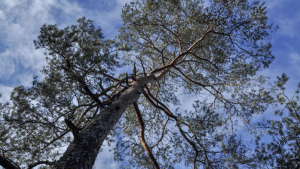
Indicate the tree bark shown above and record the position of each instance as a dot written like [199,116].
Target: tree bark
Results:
[7,164]
[83,150]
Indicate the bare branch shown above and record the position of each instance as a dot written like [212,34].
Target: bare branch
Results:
[162,133]
[90,93]
[170,114]
[39,163]
[73,128]
[84,113]
[145,74]
[142,135]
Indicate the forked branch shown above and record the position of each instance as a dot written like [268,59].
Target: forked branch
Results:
[164,108]
[73,128]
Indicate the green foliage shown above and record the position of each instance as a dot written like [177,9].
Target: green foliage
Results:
[283,151]
[210,52]
[77,57]
[222,46]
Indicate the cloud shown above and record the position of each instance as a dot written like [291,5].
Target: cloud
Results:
[273,3]
[20,24]
[105,158]
[295,57]
[7,66]
[107,16]
[285,16]
[21,20]
[2,15]
[288,26]
[293,70]
[5,92]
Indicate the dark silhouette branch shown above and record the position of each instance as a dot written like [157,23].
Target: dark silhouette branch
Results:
[55,139]
[85,112]
[7,163]
[206,60]
[104,91]
[73,128]
[90,93]
[145,74]
[39,163]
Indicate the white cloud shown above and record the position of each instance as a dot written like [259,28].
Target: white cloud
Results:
[23,19]
[108,20]
[11,3]
[2,15]
[105,158]
[293,68]
[273,3]
[295,58]
[5,92]
[20,24]
[287,23]
[7,65]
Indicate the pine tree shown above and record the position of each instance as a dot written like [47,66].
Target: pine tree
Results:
[210,53]
[283,151]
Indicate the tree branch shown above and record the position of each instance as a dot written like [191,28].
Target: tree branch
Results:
[162,133]
[85,112]
[39,163]
[142,135]
[73,128]
[8,164]
[170,114]
[90,93]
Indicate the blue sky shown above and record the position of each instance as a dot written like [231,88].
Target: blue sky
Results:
[20,21]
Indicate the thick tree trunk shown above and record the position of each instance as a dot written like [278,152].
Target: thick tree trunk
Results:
[83,150]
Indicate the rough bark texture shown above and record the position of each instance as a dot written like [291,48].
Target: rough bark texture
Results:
[82,151]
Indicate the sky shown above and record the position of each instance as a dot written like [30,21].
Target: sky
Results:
[20,21]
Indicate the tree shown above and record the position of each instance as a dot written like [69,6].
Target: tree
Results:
[210,51]
[284,149]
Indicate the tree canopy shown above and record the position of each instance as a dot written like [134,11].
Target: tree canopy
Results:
[283,149]
[177,49]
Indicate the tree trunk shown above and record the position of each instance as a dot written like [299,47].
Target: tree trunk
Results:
[83,150]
